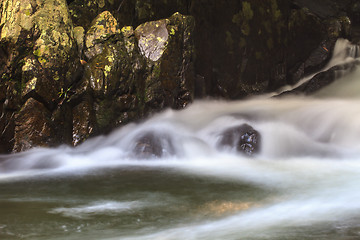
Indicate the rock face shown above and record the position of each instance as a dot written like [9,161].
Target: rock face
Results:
[40,60]
[131,73]
[74,69]
[243,138]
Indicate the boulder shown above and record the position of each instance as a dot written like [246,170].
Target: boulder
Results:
[153,145]
[104,25]
[32,126]
[243,138]
[168,48]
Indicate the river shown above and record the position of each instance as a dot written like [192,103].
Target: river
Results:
[303,184]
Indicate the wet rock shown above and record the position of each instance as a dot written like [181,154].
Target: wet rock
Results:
[40,61]
[168,48]
[323,79]
[243,139]
[153,145]
[79,35]
[32,126]
[114,78]
[83,12]
[83,121]
[126,12]
[104,25]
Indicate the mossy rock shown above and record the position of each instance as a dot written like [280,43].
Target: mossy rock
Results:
[168,47]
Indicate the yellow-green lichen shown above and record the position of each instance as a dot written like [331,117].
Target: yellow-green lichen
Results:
[247,11]
[104,26]
[101,3]
[276,13]
[243,17]
[152,38]
[29,86]
[172,31]
[56,76]
[229,40]
[28,65]
[127,31]
[110,58]
[15,16]
[107,70]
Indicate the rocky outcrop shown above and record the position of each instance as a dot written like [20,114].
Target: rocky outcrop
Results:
[74,69]
[131,73]
[244,139]
[40,60]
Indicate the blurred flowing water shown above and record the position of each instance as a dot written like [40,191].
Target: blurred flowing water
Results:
[304,183]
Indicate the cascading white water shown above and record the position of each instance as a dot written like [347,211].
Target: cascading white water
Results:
[303,184]
[344,52]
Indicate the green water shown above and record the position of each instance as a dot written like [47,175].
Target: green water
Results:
[168,199]
[145,203]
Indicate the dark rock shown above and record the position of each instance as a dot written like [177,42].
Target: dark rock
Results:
[243,138]
[32,126]
[323,79]
[170,59]
[83,124]
[239,54]
[126,12]
[153,145]
[103,26]
[83,12]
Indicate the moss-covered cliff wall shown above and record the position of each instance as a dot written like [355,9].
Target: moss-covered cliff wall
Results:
[73,69]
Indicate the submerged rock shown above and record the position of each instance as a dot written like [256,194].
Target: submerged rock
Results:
[153,145]
[243,139]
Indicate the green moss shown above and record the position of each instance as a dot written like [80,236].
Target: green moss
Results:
[107,70]
[243,17]
[37,52]
[247,12]
[42,60]
[156,71]
[276,13]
